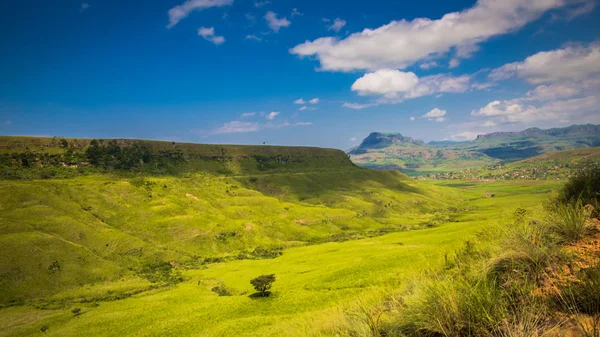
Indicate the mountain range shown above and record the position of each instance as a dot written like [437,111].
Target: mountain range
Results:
[415,157]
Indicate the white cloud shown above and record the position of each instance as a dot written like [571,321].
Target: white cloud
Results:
[428,65]
[454,63]
[209,35]
[353,139]
[400,44]
[395,86]
[253,37]
[300,101]
[178,13]
[575,110]
[272,115]
[302,108]
[84,6]
[358,106]
[295,12]
[248,114]
[314,101]
[570,63]
[435,113]
[259,4]
[412,118]
[465,135]
[337,25]
[237,127]
[245,127]
[274,23]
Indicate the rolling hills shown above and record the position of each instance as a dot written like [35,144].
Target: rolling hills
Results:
[98,219]
[413,157]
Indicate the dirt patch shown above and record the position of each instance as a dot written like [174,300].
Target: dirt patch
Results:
[585,253]
[191,196]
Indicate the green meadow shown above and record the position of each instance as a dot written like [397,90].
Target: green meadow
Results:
[136,238]
[315,283]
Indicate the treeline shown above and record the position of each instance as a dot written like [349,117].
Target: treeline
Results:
[100,156]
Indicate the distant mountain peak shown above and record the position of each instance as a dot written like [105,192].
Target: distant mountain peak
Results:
[377,140]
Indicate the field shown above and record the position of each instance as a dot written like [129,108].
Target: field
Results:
[315,284]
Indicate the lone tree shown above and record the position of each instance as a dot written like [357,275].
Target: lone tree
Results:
[263,283]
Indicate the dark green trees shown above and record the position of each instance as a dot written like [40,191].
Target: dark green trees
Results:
[263,283]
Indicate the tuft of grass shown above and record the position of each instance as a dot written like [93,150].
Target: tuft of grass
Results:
[569,222]
[583,187]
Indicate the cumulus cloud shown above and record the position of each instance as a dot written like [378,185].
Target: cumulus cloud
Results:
[275,23]
[302,108]
[400,44]
[395,86]
[300,101]
[435,115]
[272,115]
[570,63]
[412,118]
[178,13]
[314,101]
[337,25]
[209,35]
[567,87]
[574,110]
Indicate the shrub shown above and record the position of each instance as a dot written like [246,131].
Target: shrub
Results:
[569,222]
[222,290]
[584,187]
[76,311]
[263,283]
[44,328]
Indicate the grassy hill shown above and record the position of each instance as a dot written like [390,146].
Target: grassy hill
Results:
[91,220]
[554,165]
[394,151]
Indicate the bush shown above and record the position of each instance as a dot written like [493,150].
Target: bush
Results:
[569,222]
[583,187]
[263,283]
[76,311]
[222,290]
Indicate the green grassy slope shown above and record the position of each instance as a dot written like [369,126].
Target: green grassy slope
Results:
[102,225]
[553,165]
[315,284]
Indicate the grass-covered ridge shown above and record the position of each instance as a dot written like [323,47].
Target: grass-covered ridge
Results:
[104,223]
[34,157]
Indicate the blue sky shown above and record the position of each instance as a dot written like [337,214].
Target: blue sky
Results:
[245,71]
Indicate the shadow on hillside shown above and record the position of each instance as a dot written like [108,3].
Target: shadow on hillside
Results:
[308,186]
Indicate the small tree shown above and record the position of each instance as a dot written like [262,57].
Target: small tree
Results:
[263,283]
